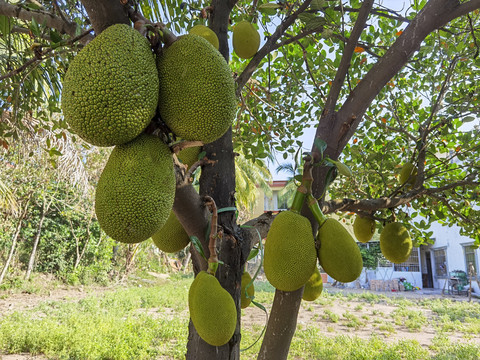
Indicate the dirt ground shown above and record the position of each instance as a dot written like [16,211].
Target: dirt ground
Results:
[310,313]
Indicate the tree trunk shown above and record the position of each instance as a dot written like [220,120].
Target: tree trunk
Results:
[33,254]
[218,181]
[14,241]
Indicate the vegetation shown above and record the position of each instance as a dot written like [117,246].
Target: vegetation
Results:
[151,321]
[379,88]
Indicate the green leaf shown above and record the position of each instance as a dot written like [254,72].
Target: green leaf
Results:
[34,27]
[343,169]
[317,4]
[320,145]
[306,17]
[253,253]
[315,23]
[198,246]
[269,8]
[55,36]
[6,24]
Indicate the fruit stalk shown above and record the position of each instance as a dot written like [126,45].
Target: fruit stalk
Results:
[214,234]
[305,187]
[315,209]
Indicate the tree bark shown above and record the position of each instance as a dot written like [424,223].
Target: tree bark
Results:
[14,241]
[104,13]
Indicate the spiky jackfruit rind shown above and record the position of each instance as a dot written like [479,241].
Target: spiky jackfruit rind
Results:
[135,192]
[110,91]
[338,253]
[172,237]
[363,228]
[395,242]
[212,310]
[207,33]
[313,287]
[197,91]
[189,156]
[408,174]
[245,40]
[245,301]
[290,255]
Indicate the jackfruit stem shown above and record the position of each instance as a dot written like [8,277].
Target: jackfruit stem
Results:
[315,209]
[214,234]
[298,199]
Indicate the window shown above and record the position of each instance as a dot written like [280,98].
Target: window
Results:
[440,259]
[470,257]
[411,265]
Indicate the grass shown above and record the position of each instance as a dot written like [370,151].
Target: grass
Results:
[151,322]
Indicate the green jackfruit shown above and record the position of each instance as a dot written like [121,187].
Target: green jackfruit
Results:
[212,310]
[363,228]
[313,287]
[189,156]
[408,174]
[395,242]
[290,255]
[172,237]
[135,192]
[197,91]
[338,254]
[245,39]
[206,33]
[245,301]
[110,91]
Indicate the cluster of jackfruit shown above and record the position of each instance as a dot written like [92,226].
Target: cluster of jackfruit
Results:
[112,90]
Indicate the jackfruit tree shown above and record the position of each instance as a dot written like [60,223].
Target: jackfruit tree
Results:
[376,85]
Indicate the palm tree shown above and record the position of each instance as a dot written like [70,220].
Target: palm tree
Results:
[8,202]
[249,176]
[295,171]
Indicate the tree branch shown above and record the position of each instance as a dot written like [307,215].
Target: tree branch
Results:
[348,51]
[434,15]
[40,16]
[268,47]
[354,205]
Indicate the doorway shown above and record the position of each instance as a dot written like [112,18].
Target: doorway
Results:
[427,279]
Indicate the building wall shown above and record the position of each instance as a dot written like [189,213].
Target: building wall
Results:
[450,239]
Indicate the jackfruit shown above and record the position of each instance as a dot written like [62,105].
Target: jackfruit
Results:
[212,310]
[135,192]
[197,91]
[290,255]
[338,254]
[363,228]
[172,237]
[189,156]
[246,39]
[206,33]
[395,242]
[245,301]
[408,174]
[110,91]
[313,287]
